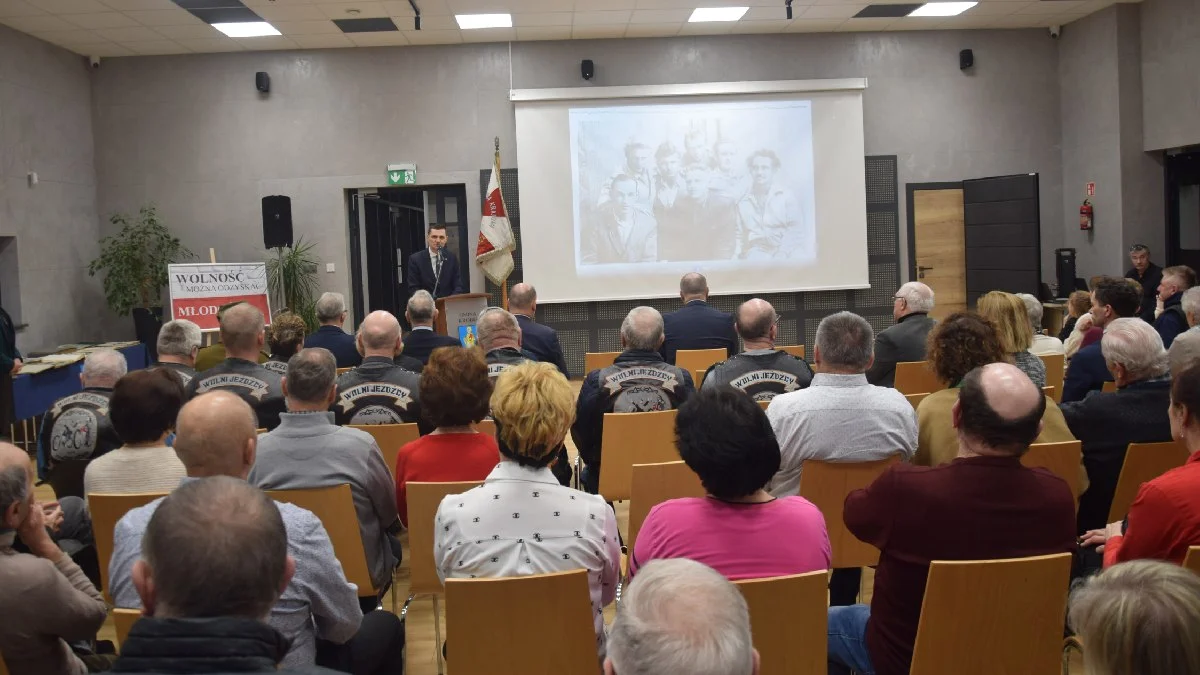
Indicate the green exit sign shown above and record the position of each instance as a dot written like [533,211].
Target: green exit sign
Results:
[402,174]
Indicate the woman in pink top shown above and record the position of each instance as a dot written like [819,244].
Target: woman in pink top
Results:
[739,529]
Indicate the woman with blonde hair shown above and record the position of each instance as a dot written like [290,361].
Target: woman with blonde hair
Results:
[1139,618]
[1008,315]
[522,521]
[285,337]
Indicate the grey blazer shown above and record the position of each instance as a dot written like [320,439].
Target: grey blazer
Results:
[904,341]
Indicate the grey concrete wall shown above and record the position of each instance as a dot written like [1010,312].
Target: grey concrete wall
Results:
[191,134]
[46,127]
[1142,181]
[1170,54]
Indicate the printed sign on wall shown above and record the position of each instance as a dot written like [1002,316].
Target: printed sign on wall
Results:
[198,291]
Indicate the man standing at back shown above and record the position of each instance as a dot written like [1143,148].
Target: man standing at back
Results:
[378,391]
[982,506]
[177,347]
[1112,299]
[697,325]
[243,337]
[905,341]
[1148,275]
[537,339]
[331,313]
[1173,319]
[421,313]
[761,371]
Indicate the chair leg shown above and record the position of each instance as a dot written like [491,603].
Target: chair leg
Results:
[437,634]
[577,476]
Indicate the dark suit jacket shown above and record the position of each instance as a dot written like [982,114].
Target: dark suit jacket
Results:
[337,341]
[408,363]
[904,341]
[542,342]
[696,325]
[8,343]
[421,274]
[420,344]
[1088,372]
[1149,282]
[1172,321]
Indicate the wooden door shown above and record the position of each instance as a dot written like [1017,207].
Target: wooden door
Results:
[938,247]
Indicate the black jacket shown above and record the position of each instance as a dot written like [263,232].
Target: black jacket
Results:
[542,342]
[696,325]
[8,342]
[379,392]
[261,388]
[500,360]
[904,341]
[762,373]
[421,275]
[75,430]
[1172,321]
[1149,281]
[421,342]
[409,363]
[337,341]
[218,646]
[185,373]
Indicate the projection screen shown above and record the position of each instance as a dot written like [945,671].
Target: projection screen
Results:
[760,186]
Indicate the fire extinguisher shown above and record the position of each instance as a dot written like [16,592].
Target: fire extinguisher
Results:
[1086,215]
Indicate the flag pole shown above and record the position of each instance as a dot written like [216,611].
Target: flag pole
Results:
[504,284]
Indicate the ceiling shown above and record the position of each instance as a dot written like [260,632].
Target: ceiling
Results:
[135,27]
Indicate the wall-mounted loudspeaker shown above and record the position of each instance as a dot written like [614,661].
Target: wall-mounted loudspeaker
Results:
[588,69]
[262,82]
[966,59]
[277,221]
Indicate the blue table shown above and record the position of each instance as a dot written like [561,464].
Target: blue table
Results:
[34,394]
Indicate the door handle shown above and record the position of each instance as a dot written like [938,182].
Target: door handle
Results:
[921,269]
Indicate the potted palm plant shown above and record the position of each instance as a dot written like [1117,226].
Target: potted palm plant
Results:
[134,264]
[293,278]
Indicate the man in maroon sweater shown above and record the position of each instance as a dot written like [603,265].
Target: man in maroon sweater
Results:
[983,505]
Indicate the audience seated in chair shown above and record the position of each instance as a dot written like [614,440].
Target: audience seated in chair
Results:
[331,313]
[1079,305]
[177,346]
[318,611]
[1112,299]
[681,618]
[918,514]
[285,337]
[1043,345]
[1186,347]
[456,387]
[1107,422]
[761,371]
[521,521]
[1009,318]
[739,529]
[308,451]
[904,341]
[77,429]
[961,343]
[213,355]
[46,600]
[1164,520]
[696,325]
[242,334]
[638,381]
[422,340]
[1139,618]
[1171,319]
[539,340]
[379,390]
[214,563]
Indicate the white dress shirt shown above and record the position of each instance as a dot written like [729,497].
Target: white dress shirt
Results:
[521,522]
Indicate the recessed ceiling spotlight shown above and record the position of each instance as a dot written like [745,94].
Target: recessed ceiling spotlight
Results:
[354,12]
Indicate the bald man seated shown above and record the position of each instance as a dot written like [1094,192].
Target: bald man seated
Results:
[537,339]
[242,334]
[319,610]
[984,505]
[905,341]
[696,325]
[499,337]
[379,391]
[761,371]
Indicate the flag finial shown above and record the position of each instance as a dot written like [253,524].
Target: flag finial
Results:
[497,145]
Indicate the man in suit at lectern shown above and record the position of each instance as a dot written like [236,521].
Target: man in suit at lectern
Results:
[434,269]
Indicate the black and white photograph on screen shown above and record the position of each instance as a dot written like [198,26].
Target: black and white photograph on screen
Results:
[708,184]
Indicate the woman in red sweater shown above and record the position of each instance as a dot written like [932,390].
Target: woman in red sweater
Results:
[455,392]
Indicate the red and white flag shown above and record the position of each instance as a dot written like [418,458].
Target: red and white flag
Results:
[493,254]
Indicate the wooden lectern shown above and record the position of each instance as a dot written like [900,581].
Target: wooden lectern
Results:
[459,310]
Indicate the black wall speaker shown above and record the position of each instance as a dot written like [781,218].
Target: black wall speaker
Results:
[587,69]
[1064,268]
[262,82]
[966,59]
[277,221]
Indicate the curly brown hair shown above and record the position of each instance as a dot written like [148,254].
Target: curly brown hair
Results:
[455,388]
[285,335]
[961,343]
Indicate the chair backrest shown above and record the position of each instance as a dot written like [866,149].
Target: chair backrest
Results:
[1143,462]
[993,616]
[699,359]
[334,507]
[123,620]
[1050,391]
[653,484]
[341,371]
[423,502]
[764,404]
[597,360]
[916,377]
[510,647]
[1056,372]
[795,350]
[1062,459]
[633,438]
[3,667]
[486,427]
[1108,387]
[1192,559]
[785,614]
[698,377]
[915,399]
[826,485]
[390,438]
[106,510]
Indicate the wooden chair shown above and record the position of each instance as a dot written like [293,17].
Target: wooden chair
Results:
[482,645]
[106,510]
[915,377]
[633,438]
[423,502]
[653,484]
[390,438]
[764,404]
[699,359]
[123,620]
[1143,462]
[795,350]
[1051,392]
[486,427]
[1062,459]
[1109,387]
[698,377]
[341,371]
[1056,372]
[789,618]
[826,485]
[993,616]
[3,667]
[915,399]
[1192,559]
[597,360]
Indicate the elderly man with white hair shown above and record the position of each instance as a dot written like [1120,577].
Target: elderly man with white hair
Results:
[680,617]
[421,313]
[905,341]
[331,314]
[177,346]
[1185,350]
[1043,345]
[639,380]
[1107,423]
